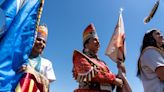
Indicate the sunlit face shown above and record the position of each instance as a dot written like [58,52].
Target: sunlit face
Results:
[158,37]
[39,45]
[93,45]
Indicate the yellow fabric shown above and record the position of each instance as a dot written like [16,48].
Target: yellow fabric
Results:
[18,88]
[31,86]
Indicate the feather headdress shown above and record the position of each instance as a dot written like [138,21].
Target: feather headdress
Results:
[153,11]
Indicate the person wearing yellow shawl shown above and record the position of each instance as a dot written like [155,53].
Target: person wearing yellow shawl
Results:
[39,72]
[151,62]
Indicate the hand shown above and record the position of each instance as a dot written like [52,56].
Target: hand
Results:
[22,68]
[118,82]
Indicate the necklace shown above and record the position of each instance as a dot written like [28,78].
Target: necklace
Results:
[35,63]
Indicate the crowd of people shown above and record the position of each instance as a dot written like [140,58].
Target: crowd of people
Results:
[91,73]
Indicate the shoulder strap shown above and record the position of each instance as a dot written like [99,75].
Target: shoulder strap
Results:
[77,53]
[151,47]
[94,64]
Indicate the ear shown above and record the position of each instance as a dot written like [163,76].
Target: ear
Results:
[86,45]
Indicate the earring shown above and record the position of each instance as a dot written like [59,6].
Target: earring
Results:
[86,50]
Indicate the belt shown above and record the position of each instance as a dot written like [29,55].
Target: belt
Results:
[95,86]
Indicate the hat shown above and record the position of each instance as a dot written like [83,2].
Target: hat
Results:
[42,32]
[89,32]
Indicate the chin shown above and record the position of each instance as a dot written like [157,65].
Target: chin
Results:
[39,52]
[96,51]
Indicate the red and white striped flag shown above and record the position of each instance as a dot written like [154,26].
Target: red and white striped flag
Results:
[28,83]
[116,49]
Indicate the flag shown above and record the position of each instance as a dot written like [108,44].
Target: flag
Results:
[152,13]
[32,81]
[22,18]
[116,49]
[27,84]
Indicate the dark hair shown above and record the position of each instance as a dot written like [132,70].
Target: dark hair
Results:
[148,40]
[162,46]
[87,41]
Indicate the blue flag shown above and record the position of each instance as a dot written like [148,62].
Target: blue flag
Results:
[17,39]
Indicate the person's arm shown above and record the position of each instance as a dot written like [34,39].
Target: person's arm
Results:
[105,77]
[160,72]
[50,72]
[84,71]
[118,82]
[82,68]
[121,66]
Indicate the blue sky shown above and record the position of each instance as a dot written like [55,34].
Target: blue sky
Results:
[66,20]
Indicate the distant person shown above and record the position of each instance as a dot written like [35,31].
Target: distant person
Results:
[39,67]
[151,61]
[89,70]
[42,65]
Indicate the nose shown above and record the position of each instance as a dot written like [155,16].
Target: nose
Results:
[42,41]
[97,43]
[161,36]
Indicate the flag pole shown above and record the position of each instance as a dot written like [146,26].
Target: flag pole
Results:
[121,10]
[122,73]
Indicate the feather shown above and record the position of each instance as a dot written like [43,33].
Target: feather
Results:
[153,11]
